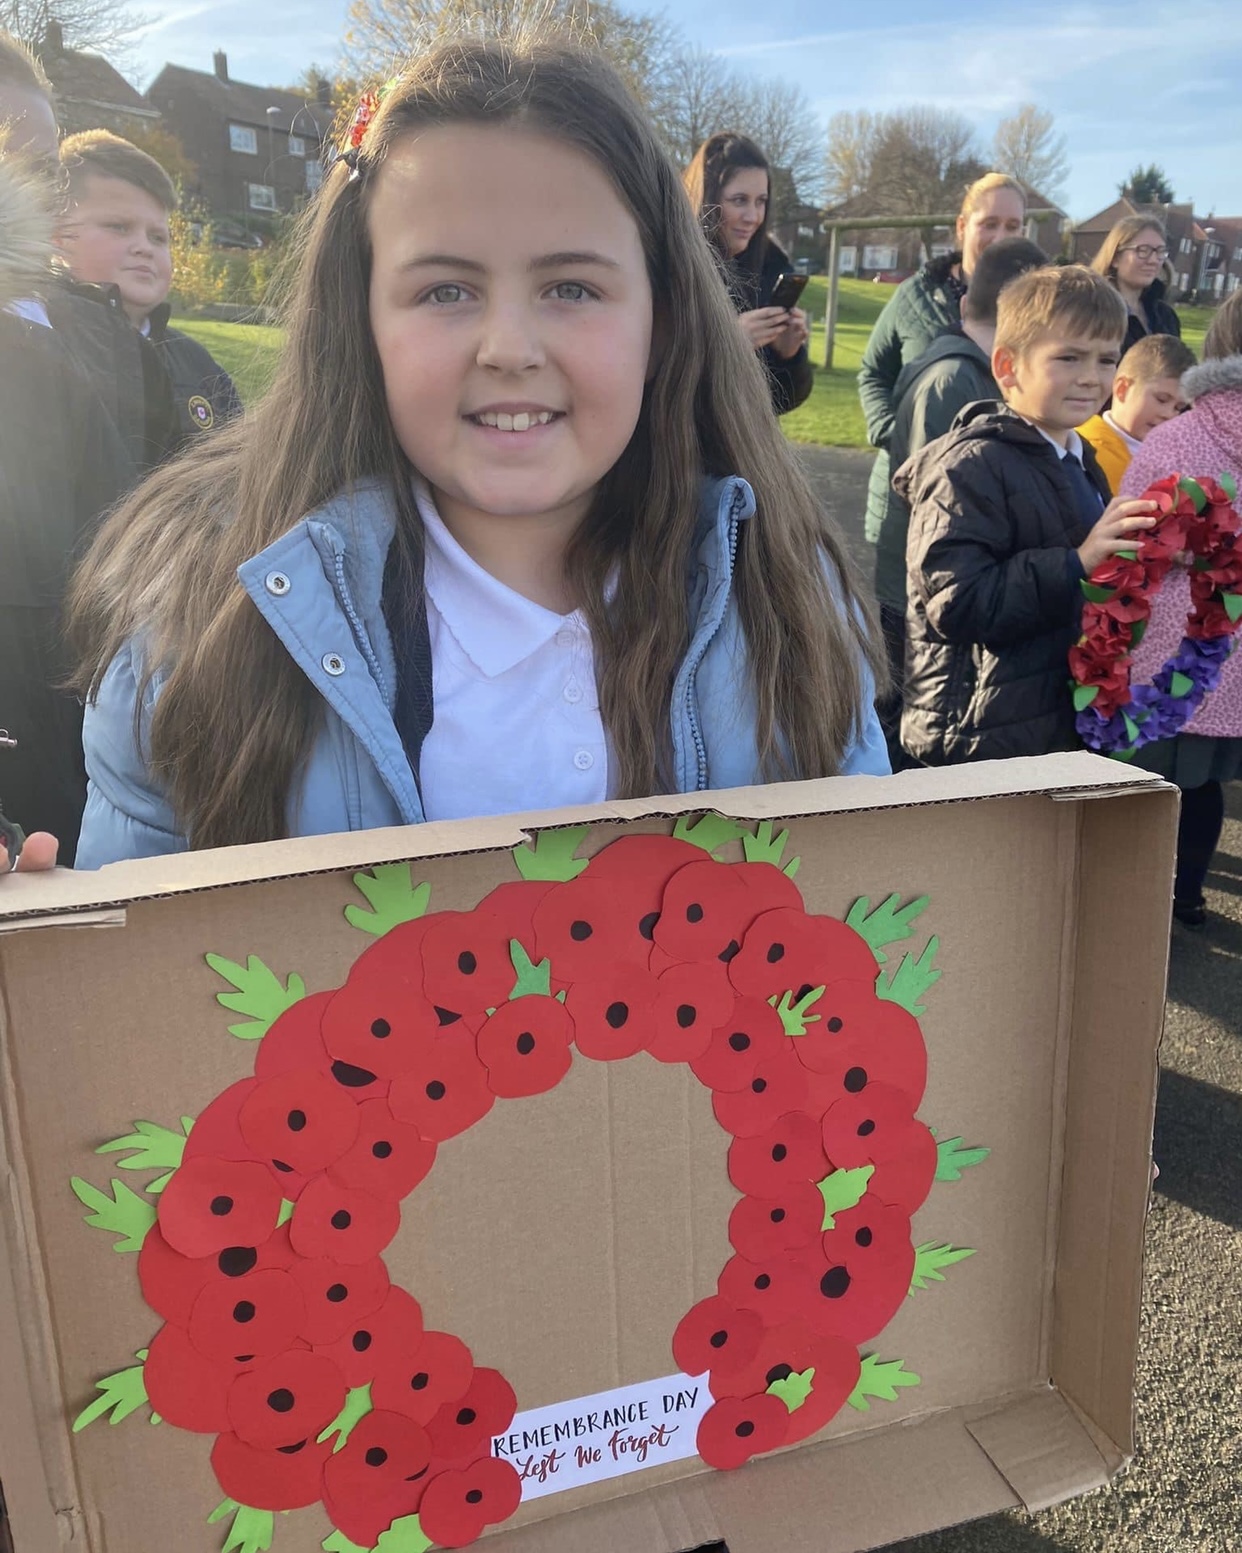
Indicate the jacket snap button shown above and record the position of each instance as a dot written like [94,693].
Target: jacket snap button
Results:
[333,663]
[277,583]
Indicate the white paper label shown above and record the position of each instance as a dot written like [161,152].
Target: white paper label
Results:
[605,1436]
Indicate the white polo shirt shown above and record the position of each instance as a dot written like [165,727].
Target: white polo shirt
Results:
[517,722]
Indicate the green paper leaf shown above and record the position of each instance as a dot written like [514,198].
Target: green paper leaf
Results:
[532,980]
[1132,732]
[794,1016]
[909,983]
[1138,630]
[930,1257]
[252,1530]
[552,855]
[357,1405]
[709,831]
[125,1213]
[1180,684]
[889,923]
[1229,485]
[1126,555]
[842,1190]
[1233,605]
[951,1159]
[791,868]
[286,1212]
[393,896]
[338,1542]
[404,1536]
[794,1389]
[882,1379]
[763,846]
[1194,490]
[1084,695]
[1095,594]
[1122,754]
[154,1148]
[119,1395]
[259,994]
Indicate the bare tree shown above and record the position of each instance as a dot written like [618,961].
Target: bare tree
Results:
[100,26]
[906,162]
[696,96]
[781,121]
[1027,148]
[852,141]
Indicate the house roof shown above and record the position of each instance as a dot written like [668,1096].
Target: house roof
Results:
[242,103]
[89,78]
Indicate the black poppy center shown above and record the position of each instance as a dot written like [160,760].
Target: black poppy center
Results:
[221,1206]
[382,1149]
[280,1401]
[336,1293]
[350,1077]
[834,1283]
[835,1025]
[361,1342]
[739,1041]
[295,1121]
[865,1129]
[616,1014]
[381,1029]
[466,963]
[779,1372]
[777,1215]
[863,1236]
[694,912]
[233,1261]
[580,931]
[341,1219]
[718,1339]
[856,1079]
[436,1090]
[775,952]
[243,1312]
[525,1043]
[466,1417]
[291,1450]
[647,926]
[764,1281]
[419,1382]
[376,1456]
[475,1496]
[686,1015]
[758,1085]
[778,1152]
[745,1429]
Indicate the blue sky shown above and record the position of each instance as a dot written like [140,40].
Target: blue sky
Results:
[1147,80]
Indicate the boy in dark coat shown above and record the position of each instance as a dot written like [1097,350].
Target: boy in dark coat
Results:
[115,235]
[1008,514]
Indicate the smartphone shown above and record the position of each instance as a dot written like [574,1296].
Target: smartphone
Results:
[787,290]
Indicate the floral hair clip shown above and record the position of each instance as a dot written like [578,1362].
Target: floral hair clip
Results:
[359,125]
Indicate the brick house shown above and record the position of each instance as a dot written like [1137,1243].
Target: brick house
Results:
[90,93]
[257,148]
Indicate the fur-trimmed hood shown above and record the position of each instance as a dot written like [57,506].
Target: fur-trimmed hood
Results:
[25,232]
[1209,377]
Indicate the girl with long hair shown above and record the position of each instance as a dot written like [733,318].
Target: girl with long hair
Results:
[513,527]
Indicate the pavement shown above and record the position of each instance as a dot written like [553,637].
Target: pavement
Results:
[1184,1489]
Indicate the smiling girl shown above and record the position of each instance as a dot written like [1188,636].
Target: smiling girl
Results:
[511,529]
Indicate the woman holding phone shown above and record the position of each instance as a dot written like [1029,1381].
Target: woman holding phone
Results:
[729,183]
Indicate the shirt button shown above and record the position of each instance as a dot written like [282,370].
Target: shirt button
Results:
[573,692]
[277,583]
[333,663]
[584,760]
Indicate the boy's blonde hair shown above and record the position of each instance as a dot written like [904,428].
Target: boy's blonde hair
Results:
[100,153]
[1156,356]
[1068,298]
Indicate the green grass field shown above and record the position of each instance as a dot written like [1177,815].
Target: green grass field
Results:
[831,415]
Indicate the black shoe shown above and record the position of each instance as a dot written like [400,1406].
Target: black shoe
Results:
[1191,914]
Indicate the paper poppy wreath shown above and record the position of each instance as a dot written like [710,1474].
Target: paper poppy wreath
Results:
[1197,519]
[320,1381]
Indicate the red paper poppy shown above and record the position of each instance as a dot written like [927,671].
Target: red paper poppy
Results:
[286,1479]
[769,889]
[587,925]
[213,1203]
[239,1320]
[612,1013]
[380,1342]
[737,1428]
[780,1084]
[388,1158]
[172,1282]
[854,1023]
[185,1387]
[716,1335]
[338,1297]
[424,1379]
[1119,573]
[513,906]
[760,1227]
[294,1039]
[788,1346]
[705,909]
[652,858]
[445,1092]
[378,1025]
[878,1127]
[771,1288]
[752,1035]
[398,953]
[377,1476]
[692,1002]
[458,1506]
[342,1224]
[1209,620]
[467,962]
[789,951]
[789,1151]
[293,1396]
[216,1132]
[462,1427]
[301,1121]
[872,1234]
[525,1046]
[837,1368]
[854,1302]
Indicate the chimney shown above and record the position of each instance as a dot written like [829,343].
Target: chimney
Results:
[221,61]
[323,92]
[53,41]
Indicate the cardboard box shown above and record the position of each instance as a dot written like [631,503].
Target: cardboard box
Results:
[566,1236]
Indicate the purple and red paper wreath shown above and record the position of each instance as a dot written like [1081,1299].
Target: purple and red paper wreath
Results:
[261,1245]
[1198,524]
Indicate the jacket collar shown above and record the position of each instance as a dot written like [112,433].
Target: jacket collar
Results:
[1209,377]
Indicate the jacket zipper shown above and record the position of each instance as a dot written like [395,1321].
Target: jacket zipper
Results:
[355,624]
[691,699]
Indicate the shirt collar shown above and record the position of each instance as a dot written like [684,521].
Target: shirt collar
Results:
[32,309]
[494,626]
[1132,443]
[1072,446]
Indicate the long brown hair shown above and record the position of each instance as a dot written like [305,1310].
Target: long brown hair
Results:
[711,167]
[235,717]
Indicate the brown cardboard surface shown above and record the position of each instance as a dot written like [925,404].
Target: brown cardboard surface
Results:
[565,1235]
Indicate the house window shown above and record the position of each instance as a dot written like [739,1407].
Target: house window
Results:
[314,176]
[1237,255]
[1184,245]
[879,256]
[297,146]
[847,261]
[243,138]
[262,196]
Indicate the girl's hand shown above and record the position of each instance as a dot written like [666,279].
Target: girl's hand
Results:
[1119,523]
[763,325]
[37,855]
[793,336]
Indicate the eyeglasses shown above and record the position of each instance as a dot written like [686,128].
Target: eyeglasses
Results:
[1146,251]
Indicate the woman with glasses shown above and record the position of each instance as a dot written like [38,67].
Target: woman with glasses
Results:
[1134,256]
